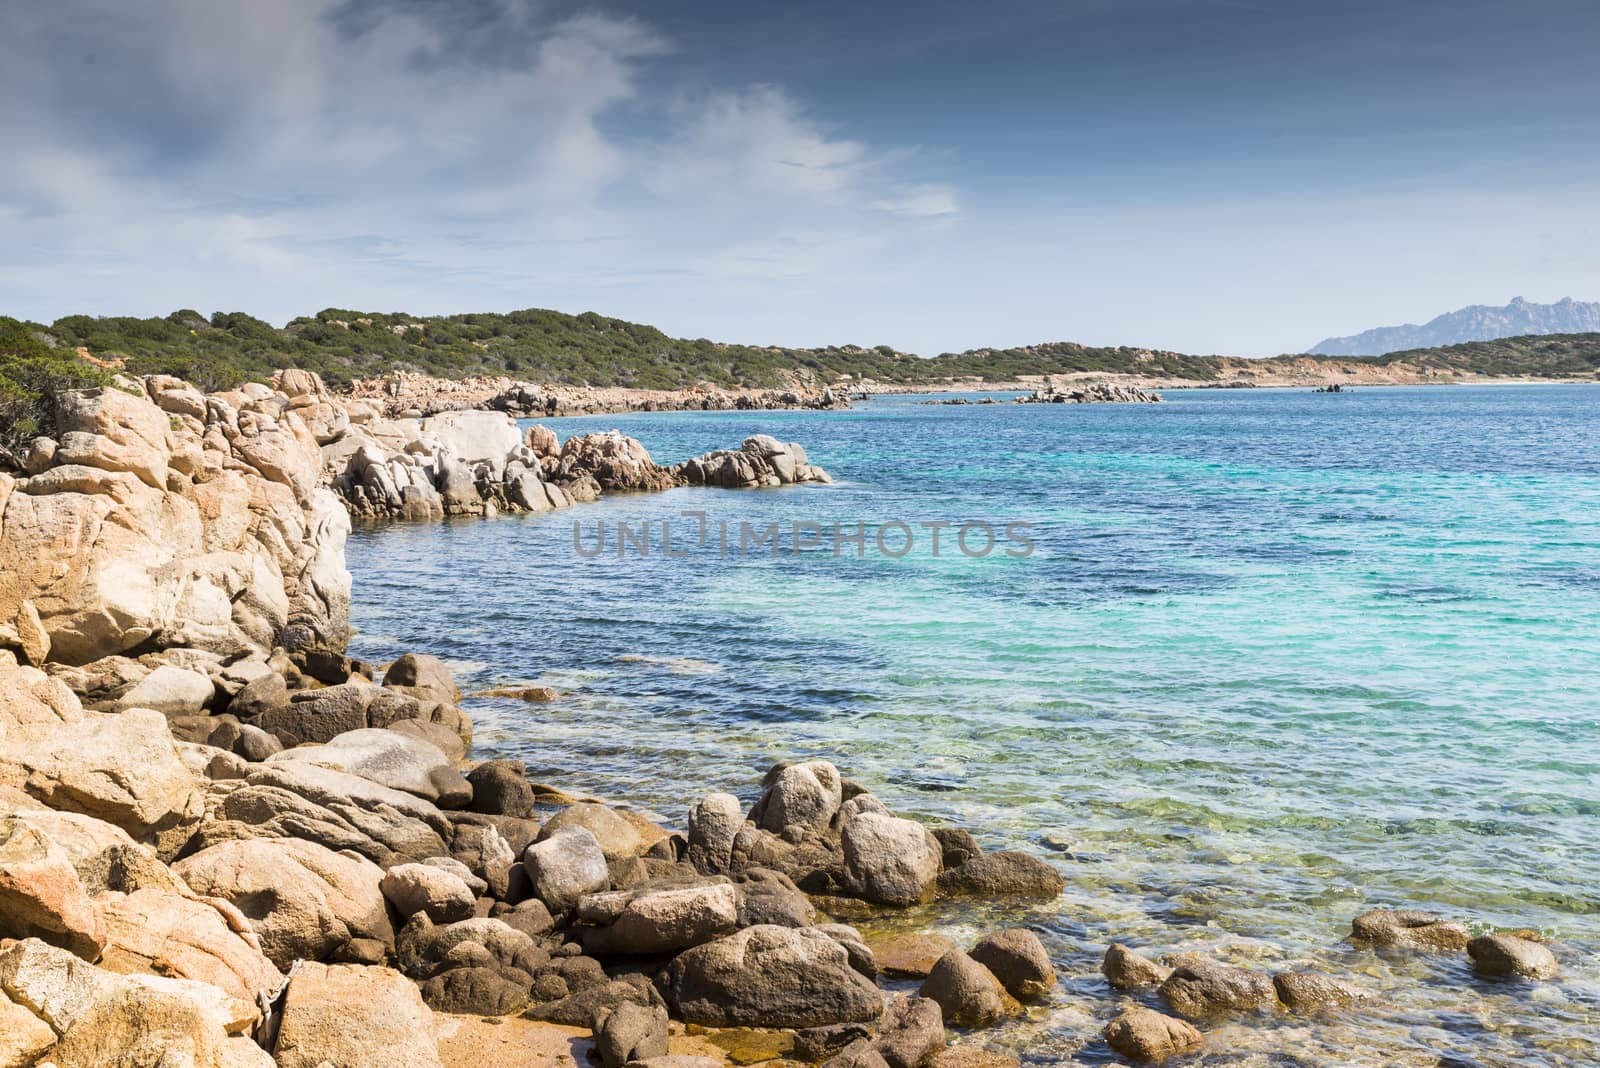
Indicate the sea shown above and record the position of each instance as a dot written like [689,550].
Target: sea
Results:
[1241,665]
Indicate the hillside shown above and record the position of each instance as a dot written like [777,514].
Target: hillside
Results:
[553,348]
[1476,323]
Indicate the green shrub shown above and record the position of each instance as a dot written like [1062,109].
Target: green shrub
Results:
[31,374]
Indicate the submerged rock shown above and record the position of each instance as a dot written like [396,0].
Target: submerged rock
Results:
[1311,991]
[966,991]
[1409,929]
[1142,1034]
[1506,955]
[1201,989]
[1126,970]
[1018,959]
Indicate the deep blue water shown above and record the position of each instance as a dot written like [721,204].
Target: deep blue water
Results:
[1275,658]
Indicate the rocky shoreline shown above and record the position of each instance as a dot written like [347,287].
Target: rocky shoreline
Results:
[407,394]
[225,844]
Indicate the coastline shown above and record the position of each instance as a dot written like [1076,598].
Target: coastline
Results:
[843,852]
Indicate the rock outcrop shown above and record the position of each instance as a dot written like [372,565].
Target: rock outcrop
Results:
[159,517]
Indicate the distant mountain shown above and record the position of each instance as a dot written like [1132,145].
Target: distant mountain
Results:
[1477,323]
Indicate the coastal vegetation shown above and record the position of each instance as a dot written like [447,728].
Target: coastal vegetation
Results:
[536,345]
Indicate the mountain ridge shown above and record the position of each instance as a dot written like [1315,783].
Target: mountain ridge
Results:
[1476,322]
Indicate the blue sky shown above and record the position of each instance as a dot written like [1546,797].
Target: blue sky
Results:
[1239,176]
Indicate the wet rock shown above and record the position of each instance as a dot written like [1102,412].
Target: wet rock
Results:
[1019,961]
[890,861]
[440,894]
[967,992]
[340,1014]
[1141,1034]
[861,1054]
[303,900]
[630,1032]
[501,787]
[1126,970]
[910,956]
[769,977]
[956,846]
[1002,874]
[617,835]
[910,1031]
[816,1044]
[563,867]
[1506,955]
[1306,992]
[972,1057]
[1201,989]
[1410,929]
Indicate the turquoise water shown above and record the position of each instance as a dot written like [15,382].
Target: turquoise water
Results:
[1276,658]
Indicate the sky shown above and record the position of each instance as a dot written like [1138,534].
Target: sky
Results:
[1231,176]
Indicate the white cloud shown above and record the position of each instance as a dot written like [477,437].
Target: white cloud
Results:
[919,202]
[282,157]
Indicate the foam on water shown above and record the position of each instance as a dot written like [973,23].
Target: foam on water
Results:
[1277,658]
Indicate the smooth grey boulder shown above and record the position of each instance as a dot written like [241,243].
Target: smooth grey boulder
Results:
[565,866]
[390,759]
[478,886]
[714,822]
[889,860]
[661,921]
[769,977]
[427,678]
[172,691]
[801,799]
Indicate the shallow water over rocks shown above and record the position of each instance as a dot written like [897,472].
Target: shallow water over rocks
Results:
[1276,659]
